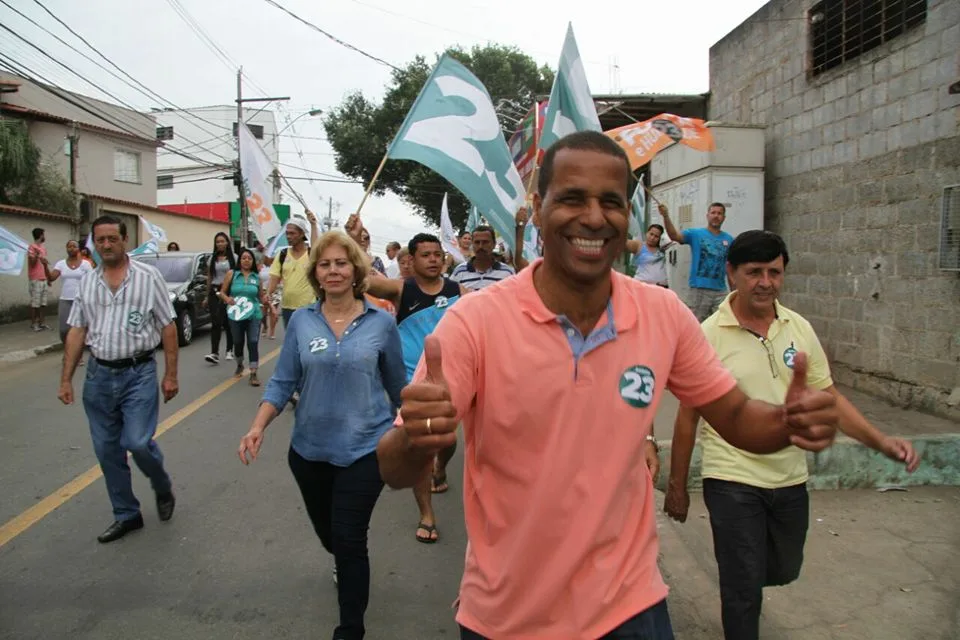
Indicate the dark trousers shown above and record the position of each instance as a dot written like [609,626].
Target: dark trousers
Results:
[758,538]
[340,501]
[248,330]
[652,624]
[218,321]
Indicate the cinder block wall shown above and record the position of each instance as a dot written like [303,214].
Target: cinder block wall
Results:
[856,162]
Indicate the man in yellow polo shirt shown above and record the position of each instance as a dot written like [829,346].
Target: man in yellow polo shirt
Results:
[758,503]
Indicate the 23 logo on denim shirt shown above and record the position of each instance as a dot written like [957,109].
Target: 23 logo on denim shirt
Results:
[318,344]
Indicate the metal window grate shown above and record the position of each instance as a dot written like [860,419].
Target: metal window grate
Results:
[841,30]
[255,129]
[950,229]
[165,181]
[164,133]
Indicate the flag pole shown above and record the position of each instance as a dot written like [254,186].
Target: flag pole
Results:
[536,145]
[650,193]
[374,181]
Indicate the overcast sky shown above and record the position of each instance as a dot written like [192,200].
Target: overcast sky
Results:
[629,46]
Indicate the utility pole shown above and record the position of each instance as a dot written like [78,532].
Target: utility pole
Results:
[329,222]
[244,214]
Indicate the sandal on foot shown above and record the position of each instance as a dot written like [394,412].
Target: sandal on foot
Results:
[438,484]
[431,532]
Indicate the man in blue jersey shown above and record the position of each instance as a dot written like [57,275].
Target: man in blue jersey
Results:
[420,302]
[708,259]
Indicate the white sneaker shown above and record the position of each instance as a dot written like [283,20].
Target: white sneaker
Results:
[229,355]
[212,358]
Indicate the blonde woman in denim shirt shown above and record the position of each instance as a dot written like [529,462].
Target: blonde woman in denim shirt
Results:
[345,355]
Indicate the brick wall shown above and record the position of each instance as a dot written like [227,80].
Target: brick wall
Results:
[857,159]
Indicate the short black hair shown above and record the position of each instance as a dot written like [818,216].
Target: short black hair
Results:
[37,232]
[757,246]
[582,141]
[656,226]
[105,220]
[421,238]
[485,228]
[722,206]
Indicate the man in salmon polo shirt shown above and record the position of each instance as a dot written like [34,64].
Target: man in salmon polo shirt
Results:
[557,374]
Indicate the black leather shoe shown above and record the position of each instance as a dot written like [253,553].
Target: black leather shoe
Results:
[165,504]
[120,528]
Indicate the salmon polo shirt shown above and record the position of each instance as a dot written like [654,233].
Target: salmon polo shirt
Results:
[558,500]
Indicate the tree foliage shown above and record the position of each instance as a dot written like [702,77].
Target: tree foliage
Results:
[24,180]
[360,130]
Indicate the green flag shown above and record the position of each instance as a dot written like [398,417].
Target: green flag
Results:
[639,219]
[571,105]
[473,221]
[453,129]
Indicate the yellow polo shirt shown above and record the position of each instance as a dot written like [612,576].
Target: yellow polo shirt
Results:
[763,369]
[297,291]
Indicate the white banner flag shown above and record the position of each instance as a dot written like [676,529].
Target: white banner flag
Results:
[155,231]
[13,253]
[448,237]
[257,169]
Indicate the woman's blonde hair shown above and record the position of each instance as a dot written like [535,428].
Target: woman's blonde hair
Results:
[355,255]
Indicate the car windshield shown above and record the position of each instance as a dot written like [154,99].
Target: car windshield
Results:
[174,269]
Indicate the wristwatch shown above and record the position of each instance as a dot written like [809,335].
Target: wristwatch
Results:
[656,445]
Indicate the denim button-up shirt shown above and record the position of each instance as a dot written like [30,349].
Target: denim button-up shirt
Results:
[350,389]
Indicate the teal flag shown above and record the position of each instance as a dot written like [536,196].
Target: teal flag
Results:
[150,246]
[639,218]
[473,221]
[13,253]
[453,129]
[571,106]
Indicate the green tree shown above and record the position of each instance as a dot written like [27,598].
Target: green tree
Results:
[24,179]
[360,130]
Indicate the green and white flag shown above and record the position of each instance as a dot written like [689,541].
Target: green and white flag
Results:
[473,221]
[571,107]
[638,211]
[453,129]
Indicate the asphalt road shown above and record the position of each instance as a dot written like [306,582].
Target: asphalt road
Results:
[239,559]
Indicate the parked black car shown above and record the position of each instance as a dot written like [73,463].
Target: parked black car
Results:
[186,277]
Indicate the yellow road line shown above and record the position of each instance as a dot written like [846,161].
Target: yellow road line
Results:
[17,525]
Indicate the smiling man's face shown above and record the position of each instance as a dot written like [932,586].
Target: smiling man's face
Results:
[583,215]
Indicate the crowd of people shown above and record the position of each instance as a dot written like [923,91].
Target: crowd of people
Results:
[552,371]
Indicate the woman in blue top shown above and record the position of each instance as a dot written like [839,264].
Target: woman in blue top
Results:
[649,259]
[344,355]
[242,293]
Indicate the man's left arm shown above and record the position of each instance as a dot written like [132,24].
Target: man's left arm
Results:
[166,318]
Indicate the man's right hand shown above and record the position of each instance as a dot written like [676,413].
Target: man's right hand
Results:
[662,208]
[429,417]
[65,395]
[353,226]
[677,503]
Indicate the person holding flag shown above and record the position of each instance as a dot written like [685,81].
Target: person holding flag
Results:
[242,293]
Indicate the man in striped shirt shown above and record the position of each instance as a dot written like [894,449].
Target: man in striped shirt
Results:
[482,269]
[122,312]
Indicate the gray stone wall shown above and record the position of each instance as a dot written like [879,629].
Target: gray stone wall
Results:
[856,162]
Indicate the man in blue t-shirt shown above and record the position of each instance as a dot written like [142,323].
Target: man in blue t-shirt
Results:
[708,259]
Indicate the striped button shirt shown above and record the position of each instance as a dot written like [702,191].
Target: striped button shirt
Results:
[126,323]
[467,275]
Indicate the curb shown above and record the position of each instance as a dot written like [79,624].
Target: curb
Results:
[26,354]
[850,465]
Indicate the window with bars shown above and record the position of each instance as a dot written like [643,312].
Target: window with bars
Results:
[255,129]
[126,166]
[950,229]
[165,182]
[164,133]
[841,30]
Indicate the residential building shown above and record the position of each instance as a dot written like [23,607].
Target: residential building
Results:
[862,147]
[108,154]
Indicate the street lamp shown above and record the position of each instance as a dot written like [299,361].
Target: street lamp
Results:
[312,113]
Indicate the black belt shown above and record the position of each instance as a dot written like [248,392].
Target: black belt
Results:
[126,363]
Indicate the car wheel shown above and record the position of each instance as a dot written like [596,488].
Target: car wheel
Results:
[184,328]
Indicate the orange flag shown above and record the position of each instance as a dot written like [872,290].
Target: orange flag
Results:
[643,140]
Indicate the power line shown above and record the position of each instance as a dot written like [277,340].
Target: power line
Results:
[331,36]
[144,90]
[219,53]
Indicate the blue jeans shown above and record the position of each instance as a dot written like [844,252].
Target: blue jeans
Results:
[652,624]
[758,539]
[122,406]
[248,329]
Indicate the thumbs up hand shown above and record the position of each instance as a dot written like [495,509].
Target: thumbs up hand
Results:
[811,415]
[429,417]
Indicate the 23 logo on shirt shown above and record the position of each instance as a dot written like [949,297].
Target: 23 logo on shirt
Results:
[318,344]
[134,319]
[788,355]
[637,385]
[441,302]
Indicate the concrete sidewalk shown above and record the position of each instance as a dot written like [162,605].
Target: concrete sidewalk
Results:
[19,342]
[883,566]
